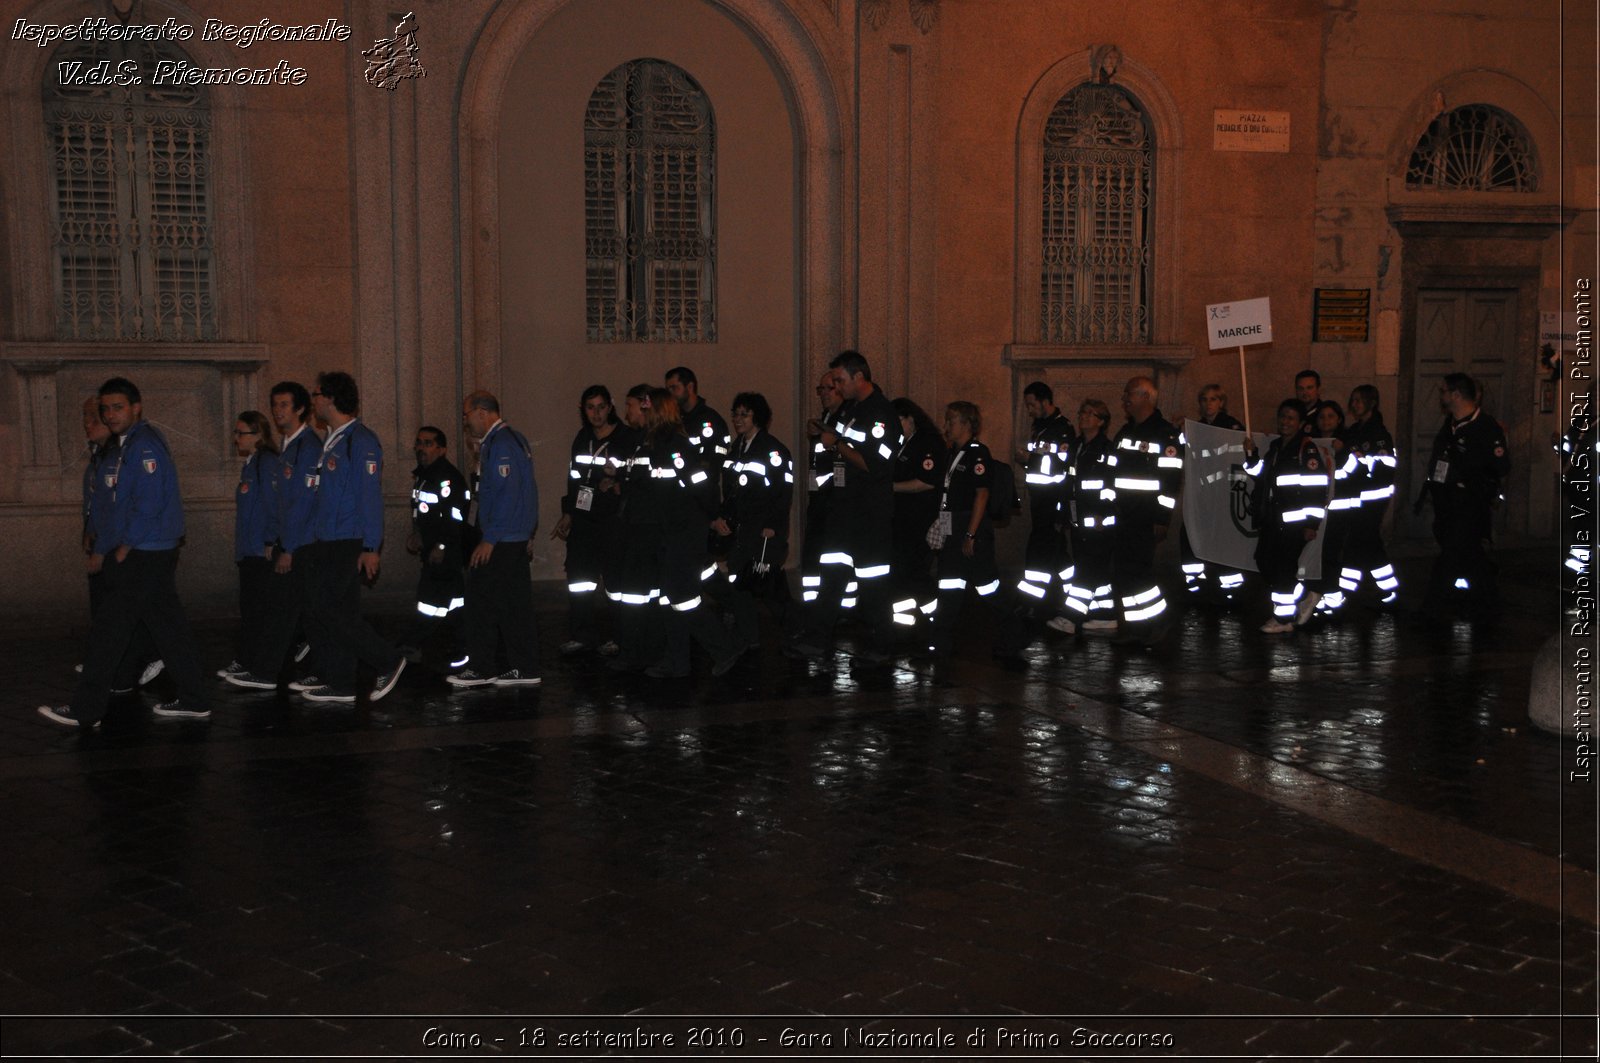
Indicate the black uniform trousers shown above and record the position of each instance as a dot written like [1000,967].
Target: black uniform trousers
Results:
[141,651]
[339,634]
[500,612]
[862,530]
[255,579]
[734,591]
[587,548]
[141,590]
[679,555]
[958,574]
[1462,530]
[1278,550]
[285,604]
[1133,557]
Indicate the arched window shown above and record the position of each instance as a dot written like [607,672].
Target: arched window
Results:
[649,146]
[131,228]
[1096,262]
[1475,148]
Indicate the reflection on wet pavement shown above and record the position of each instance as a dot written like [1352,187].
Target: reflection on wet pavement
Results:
[1352,823]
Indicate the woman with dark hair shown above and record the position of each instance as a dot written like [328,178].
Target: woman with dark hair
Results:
[589,515]
[255,532]
[1372,447]
[918,468]
[669,499]
[1287,501]
[757,490]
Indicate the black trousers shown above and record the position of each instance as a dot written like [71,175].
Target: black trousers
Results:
[141,651]
[141,590]
[340,635]
[255,583]
[285,600]
[500,612]
[586,571]
[1464,570]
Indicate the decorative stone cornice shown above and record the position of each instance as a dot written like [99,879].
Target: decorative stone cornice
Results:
[1531,220]
[924,13]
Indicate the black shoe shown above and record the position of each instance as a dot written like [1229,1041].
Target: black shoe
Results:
[251,681]
[387,680]
[724,666]
[176,710]
[63,715]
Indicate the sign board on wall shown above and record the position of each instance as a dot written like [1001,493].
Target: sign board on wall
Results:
[1340,315]
[1241,324]
[1236,130]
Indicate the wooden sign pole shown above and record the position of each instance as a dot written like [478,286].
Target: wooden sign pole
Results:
[1244,383]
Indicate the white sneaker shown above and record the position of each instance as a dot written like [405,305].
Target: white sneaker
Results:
[514,678]
[1061,624]
[327,694]
[300,686]
[178,711]
[62,714]
[151,670]
[468,678]
[387,680]
[1308,605]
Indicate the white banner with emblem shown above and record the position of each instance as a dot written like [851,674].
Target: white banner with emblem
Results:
[1216,499]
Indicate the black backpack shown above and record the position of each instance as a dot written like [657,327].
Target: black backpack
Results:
[1004,501]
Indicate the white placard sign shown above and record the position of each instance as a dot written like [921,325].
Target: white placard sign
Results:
[1242,324]
[1249,130]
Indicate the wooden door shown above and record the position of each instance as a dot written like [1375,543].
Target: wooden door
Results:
[1459,330]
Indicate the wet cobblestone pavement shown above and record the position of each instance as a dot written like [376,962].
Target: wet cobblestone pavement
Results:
[1346,842]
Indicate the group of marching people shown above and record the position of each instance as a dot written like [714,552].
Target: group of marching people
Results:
[682,524]
[669,508]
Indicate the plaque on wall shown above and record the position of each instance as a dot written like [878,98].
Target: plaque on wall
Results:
[1341,315]
[1236,130]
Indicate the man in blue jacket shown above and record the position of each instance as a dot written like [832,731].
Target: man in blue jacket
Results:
[499,588]
[347,535]
[142,533]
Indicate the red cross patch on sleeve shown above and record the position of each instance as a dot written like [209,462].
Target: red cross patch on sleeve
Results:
[1172,451]
[977,470]
[927,463]
[1499,452]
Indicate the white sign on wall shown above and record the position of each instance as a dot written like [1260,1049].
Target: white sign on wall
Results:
[1249,130]
[1242,324]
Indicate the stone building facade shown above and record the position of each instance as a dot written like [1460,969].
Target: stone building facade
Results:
[974,193]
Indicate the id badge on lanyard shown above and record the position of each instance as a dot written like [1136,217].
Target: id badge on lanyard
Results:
[585,500]
[838,474]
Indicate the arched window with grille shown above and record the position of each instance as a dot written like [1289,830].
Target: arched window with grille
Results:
[649,142]
[1096,261]
[1475,148]
[131,222]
